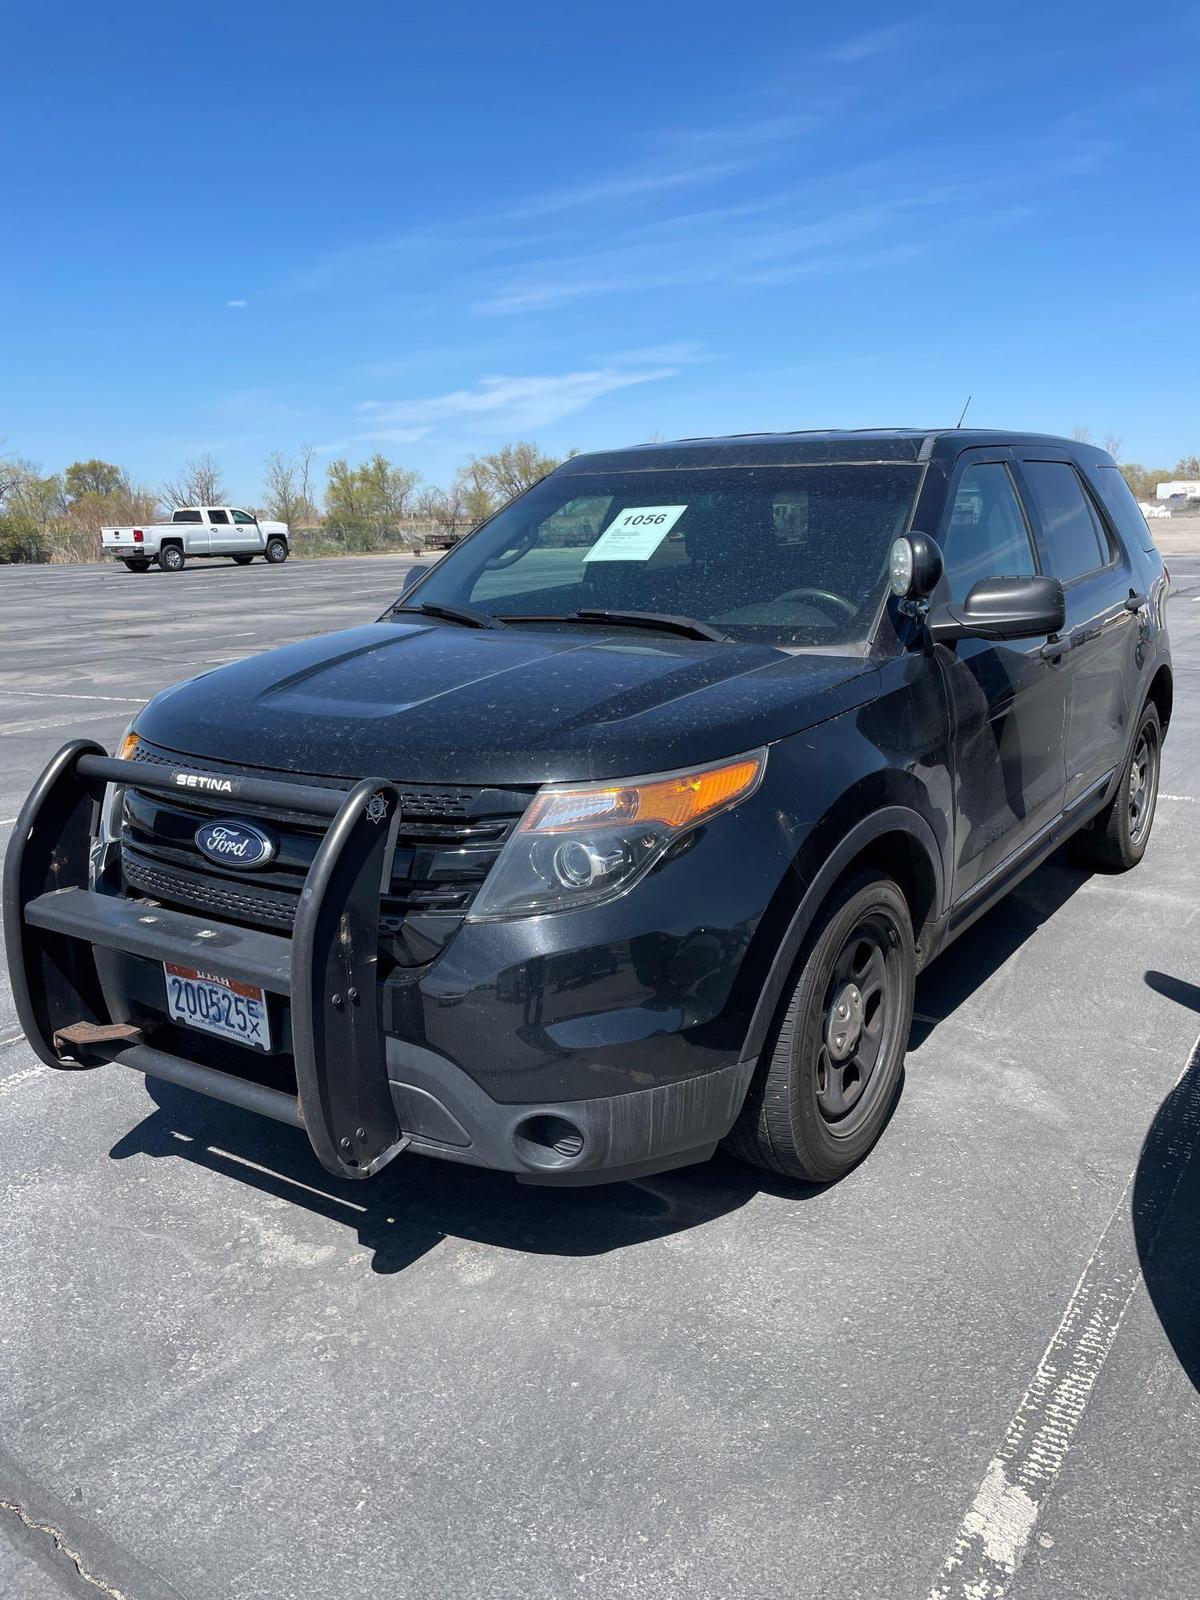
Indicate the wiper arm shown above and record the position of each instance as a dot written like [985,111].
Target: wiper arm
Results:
[466,615]
[667,622]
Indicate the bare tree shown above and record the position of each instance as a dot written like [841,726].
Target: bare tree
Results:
[198,485]
[307,452]
[1112,443]
[10,470]
[446,507]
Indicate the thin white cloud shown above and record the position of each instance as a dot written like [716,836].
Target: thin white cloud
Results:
[673,161]
[504,403]
[237,305]
[727,139]
[627,186]
[733,257]
[875,42]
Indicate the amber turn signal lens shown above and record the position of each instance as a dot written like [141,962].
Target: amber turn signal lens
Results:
[673,800]
[128,745]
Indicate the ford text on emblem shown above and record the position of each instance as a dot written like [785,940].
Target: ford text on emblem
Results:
[235,844]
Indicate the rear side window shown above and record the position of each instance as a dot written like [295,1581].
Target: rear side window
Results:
[185,516]
[218,516]
[1072,538]
[1123,508]
[986,536]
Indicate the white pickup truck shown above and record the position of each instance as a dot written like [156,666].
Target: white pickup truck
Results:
[198,531]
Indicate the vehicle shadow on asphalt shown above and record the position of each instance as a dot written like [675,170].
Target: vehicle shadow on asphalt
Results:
[418,1201]
[1166,1199]
[979,952]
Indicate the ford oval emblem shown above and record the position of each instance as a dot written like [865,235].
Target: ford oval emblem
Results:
[235,844]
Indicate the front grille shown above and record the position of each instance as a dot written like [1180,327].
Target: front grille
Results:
[224,899]
[447,841]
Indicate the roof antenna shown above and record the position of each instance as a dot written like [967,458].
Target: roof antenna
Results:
[959,423]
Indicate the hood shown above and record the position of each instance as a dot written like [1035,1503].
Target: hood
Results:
[437,703]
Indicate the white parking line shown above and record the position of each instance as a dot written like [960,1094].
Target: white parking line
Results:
[57,722]
[20,693]
[18,1078]
[994,1535]
[1188,799]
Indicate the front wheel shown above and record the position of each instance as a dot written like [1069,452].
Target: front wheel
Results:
[170,558]
[277,551]
[1117,839]
[825,1084]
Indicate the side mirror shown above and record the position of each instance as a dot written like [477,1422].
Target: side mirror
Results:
[410,578]
[1002,608]
[914,566]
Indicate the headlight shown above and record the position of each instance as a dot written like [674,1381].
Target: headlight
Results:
[582,843]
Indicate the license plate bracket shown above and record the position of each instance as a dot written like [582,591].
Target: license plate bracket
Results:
[224,1008]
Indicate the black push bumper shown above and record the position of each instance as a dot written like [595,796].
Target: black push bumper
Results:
[78,958]
[54,926]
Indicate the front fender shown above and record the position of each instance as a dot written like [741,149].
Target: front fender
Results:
[890,820]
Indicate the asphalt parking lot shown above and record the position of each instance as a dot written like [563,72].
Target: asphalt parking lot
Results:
[970,1368]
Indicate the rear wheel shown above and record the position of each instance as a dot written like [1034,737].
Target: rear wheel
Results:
[243,561]
[170,558]
[1118,837]
[277,551]
[139,564]
[825,1084]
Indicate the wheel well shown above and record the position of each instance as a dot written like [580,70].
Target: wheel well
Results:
[1162,692]
[176,544]
[901,857]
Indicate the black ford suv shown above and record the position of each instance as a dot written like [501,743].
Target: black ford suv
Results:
[627,828]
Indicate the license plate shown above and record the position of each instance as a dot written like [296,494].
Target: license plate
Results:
[223,1006]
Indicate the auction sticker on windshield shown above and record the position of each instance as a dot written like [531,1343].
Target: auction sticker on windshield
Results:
[635,533]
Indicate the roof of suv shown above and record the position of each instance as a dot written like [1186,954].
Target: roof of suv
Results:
[834,444]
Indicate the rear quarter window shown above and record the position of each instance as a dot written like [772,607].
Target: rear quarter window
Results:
[186,516]
[1072,540]
[1123,508]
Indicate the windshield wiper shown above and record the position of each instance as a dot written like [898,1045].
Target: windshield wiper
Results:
[466,615]
[665,621]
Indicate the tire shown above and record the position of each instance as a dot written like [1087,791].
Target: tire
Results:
[1116,840]
[822,1094]
[136,565]
[277,551]
[243,561]
[170,558]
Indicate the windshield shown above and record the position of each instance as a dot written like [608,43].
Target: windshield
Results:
[779,555]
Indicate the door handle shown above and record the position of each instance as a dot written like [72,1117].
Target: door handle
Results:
[1053,649]
[1136,601]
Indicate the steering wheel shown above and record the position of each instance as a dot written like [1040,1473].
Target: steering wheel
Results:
[508,557]
[822,596]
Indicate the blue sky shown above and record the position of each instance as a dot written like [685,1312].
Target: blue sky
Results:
[430,229]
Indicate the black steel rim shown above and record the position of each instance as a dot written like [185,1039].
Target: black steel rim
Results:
[859,1019]
[1143,784]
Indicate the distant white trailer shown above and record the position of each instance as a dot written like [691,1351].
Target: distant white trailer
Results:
[1181,489]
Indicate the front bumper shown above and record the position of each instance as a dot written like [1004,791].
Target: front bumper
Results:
[88,982]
